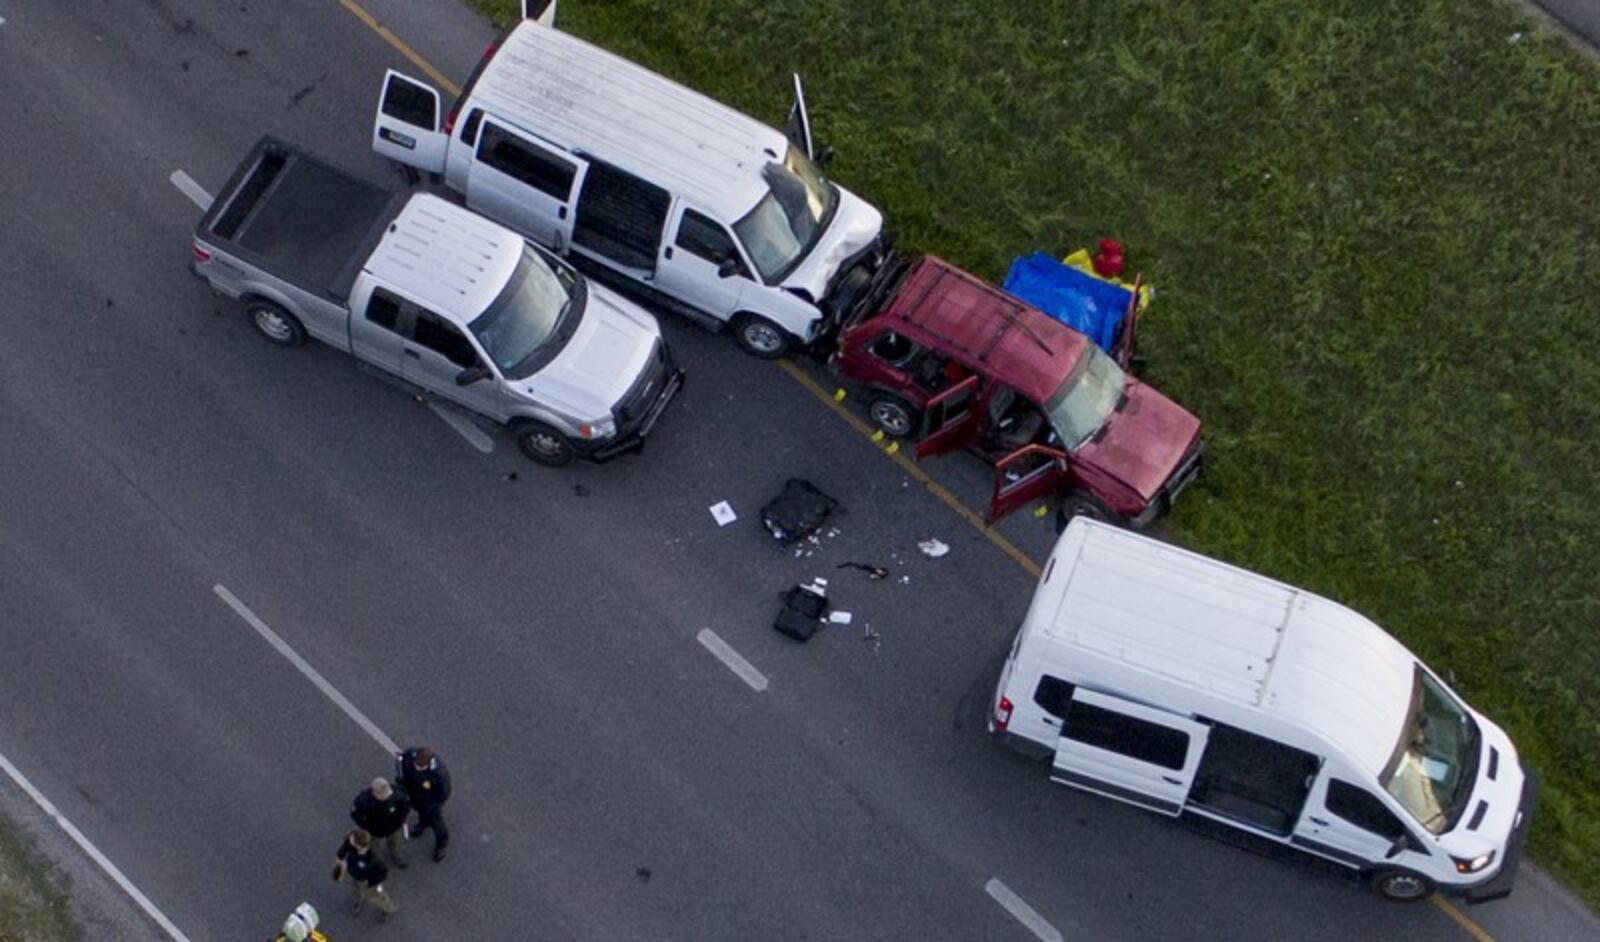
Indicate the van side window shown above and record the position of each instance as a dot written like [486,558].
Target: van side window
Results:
[1125,735]
[534,166]
[1356,805]
[621,216]
[433,332]
[384,309]
[469,127]
[1053,694]
[699,234]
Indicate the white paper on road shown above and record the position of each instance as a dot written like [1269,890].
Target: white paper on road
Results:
[722,513]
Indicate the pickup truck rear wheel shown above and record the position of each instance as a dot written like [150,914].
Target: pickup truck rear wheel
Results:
[544,444]
[276,324]
[760,337]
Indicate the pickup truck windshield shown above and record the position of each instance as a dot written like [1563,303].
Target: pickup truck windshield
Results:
[1436,760]
[1080,407]
[532,319]
[787,221]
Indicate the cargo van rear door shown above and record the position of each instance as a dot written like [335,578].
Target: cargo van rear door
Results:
[1128,751]
[798,128]
[542,10]
[407,126]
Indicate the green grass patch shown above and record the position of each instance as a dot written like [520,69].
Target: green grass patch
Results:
[33,896]
[1372,226]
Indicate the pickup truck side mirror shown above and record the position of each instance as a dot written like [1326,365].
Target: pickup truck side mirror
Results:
[728,267]
[472,374]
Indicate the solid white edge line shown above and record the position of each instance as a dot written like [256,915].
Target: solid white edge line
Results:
[94,852]
[464,426]
[197,194]
[731,658]
[243,611]
[1021,911]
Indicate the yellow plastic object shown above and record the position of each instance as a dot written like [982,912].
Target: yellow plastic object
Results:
[1084,262]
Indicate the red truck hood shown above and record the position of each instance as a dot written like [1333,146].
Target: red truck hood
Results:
[1144,443]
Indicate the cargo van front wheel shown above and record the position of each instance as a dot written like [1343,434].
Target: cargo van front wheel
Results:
[1401,886]
[760,337]
[276,324]
[544,444]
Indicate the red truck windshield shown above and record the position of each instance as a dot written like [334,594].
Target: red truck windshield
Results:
[1086,398]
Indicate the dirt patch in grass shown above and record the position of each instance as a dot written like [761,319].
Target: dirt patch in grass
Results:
[33,895]
[1373,228]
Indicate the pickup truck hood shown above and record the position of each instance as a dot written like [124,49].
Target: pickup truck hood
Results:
[611,347]
[856,223]
[1142,445]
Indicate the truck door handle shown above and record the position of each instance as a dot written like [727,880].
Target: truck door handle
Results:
[1318,821]
[1171,780]
[413,354]
[1050,721]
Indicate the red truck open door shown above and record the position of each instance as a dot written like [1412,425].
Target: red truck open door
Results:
[1025,475]
[950,420]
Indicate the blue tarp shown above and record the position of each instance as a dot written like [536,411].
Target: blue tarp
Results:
[1088,305]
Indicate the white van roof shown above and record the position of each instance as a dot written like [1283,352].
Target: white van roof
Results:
[445,258]
[584,99]
[1223,632]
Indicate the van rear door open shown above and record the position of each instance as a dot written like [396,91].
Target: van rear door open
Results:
[407,126]
[1128,751]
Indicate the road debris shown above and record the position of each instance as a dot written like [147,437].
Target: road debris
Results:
[873,572]
[933,547]
[798,511]
[722,513]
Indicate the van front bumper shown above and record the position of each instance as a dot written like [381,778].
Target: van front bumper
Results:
[1499,885]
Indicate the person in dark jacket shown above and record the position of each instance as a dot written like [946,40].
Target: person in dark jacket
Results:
[381,811]
[425,780]
[357,863]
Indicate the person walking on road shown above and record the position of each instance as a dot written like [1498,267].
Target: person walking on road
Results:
[382,811]
[357,863]
[426,782]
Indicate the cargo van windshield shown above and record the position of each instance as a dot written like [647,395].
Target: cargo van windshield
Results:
[1436,760]
[787,222]
[1085,400]
[534,316]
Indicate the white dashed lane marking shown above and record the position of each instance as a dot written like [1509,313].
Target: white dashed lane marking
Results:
[197,194]
[728,656]
[1021,911]
[464,425]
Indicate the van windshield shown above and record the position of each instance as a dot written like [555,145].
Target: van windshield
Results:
[534,316]
[1436,760]
[789,219]
[1085,400]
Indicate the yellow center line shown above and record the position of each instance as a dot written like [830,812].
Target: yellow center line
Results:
[798,375]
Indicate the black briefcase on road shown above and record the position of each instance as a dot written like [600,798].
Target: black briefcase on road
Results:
[801,614]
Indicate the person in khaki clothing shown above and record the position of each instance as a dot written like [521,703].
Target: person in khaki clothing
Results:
[381,811]
[357,863]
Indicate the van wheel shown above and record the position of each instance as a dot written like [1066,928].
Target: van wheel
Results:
[544,444]
[894,415]
[760,337]
[276,324]
[1083,504]
[1400,886]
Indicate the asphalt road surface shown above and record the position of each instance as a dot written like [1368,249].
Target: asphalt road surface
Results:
[177,492]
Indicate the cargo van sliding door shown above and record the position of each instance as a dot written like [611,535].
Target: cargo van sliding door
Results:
[1128,751]
[621,219]
[520,182]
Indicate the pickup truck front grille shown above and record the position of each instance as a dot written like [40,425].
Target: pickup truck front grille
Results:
[636,402]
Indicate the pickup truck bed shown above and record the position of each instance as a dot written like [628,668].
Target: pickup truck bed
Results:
[303,220]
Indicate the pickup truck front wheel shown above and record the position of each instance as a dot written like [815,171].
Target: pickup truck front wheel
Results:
[276,324]
[544,444]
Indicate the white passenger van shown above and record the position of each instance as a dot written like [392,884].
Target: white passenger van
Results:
[1177,683]
[645,183]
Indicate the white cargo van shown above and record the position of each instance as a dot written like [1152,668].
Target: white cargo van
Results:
[643,182]
[1158,677]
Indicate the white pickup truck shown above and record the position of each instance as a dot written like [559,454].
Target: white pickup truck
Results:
[448,301]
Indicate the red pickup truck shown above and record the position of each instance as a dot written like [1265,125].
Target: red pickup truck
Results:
[954,362]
